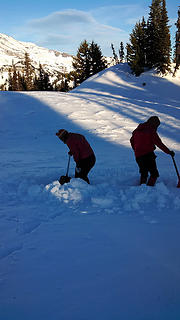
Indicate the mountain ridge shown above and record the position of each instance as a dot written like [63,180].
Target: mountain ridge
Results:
[13,51]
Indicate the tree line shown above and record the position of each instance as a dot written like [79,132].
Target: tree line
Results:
[89,61]
[149,47]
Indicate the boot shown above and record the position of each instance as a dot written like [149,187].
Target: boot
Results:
[151,181]
[143,180]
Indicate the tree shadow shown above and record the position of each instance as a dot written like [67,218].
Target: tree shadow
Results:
[131,99]
[31,148]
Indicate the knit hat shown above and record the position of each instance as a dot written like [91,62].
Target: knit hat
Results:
[61,133]
[154,121]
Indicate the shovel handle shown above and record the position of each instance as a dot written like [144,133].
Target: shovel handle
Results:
[176,167]
[68,165]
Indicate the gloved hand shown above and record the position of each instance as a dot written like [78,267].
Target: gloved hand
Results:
[172,154]
[78,170]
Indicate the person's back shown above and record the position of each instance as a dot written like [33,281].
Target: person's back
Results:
[144,141]
[79,146]
[81,151]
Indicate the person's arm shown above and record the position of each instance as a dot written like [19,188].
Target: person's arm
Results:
[158,142]
[132,142]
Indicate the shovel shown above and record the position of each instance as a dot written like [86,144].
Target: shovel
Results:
[65,179]
[178,185]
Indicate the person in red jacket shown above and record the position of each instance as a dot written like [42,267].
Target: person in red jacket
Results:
[81,151]
[144,141]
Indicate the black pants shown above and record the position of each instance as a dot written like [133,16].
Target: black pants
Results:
[86,165]
[147,164]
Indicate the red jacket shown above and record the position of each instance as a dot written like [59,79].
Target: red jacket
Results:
[144,139]
[78,146]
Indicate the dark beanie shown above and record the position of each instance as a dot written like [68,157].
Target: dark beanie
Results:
[61,133]
[154,121]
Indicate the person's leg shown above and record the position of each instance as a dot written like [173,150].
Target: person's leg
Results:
[85,166]
[152,167]
[141,161]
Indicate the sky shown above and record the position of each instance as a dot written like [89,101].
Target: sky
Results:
[63,25]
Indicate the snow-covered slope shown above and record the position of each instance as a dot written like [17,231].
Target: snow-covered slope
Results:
[108,250]
[12,50]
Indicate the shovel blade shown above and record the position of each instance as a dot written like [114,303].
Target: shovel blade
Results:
[64,179]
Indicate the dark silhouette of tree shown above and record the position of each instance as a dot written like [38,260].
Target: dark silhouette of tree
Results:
[89,60]
[153,34]
[177,44]
[158,37]
[97,62]
[136,49]
[28,73]
[150,45]
[116,60]
[81,63]
[121,52]
[42,82]
[164,42]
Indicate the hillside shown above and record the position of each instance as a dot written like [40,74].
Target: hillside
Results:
[108,250]
[14,51]
[53,62]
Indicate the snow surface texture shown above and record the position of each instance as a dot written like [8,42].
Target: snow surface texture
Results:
[108,250]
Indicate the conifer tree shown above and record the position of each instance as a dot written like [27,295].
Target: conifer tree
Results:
[164,41]
[89,60]
[28,73]
[81,62]
[42,82]
[158,37]
[13,79]
[64,87]
[136,49]
[97,61]
[121,52]
[153,34]
[10,81]
[114,54]
[21,82]
[177,45]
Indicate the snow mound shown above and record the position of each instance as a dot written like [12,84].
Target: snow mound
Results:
[113,198]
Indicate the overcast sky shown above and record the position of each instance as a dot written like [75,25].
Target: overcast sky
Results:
[63,25]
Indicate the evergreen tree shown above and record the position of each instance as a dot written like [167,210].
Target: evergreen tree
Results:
[21,82]
[177,45]
[28,73]
[13,79]
[153,34]
[42,82]
[81,63]
[136,49]
[158,37]
[128,52]
[89,61]
[164,42]
[15,86]
[10,80]
[121,52]
[114,54]
[64,87]
[96,58]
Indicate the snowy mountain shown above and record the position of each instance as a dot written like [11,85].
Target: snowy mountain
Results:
[14,51]
[104,251]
